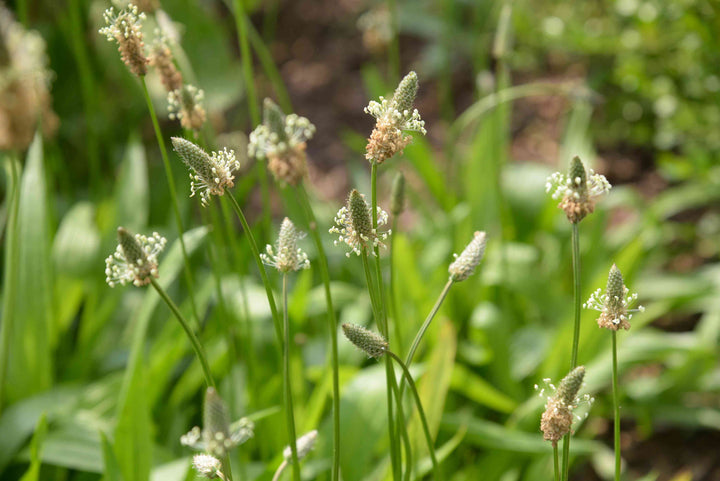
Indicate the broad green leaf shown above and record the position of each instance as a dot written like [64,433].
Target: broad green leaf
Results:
[31,334]
[111,468]
[479,390]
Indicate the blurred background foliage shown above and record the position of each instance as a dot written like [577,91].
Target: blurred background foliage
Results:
[100,383]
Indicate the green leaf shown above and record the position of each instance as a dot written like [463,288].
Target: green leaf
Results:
[111,468]
[33,472]
[480,391]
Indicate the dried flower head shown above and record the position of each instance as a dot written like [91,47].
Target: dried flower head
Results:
[557,419]
[218,436]
[286,256]
[304,445]
[135,259]
[464,264]
[376,28]
[24,84]
[354,225]
[373,344]
[210,174]
[125,28]
[162,59]
[185,105]
[208,466]
[393,117]
[578,190]
[281,140]
[614,304]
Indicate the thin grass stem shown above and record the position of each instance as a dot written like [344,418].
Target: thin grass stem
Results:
[397,331]
[394,50]
[173,200]
[332,326]
[616,408]
[556,462]
[289,411]
[279,471]
[421,412]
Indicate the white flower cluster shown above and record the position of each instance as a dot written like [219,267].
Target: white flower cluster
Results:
[354,238]
[386,110]
[286,256]
[563,186]
[208,466]
[222,164]
[125,24]
[121,270]
[465,263]
[182,101]
[240,431]
[304,445]
[548,390]
[265,142]
[599,301]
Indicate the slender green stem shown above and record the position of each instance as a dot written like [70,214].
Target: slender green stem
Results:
[289,412]
[555,462]
[421,412]
[394,50]
[397,332]
[279,471]
[402,429]
[391,422]
[576,333]
[173,201]
[261,267]
[616,407]
[332,326]
[226,469]
[197,347]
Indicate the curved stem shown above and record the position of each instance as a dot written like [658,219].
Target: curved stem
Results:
[616,407]
[556,463]
[289,412]
[197,347]
[332,327]
[421,412]
[173,200]
[280,469]
[261,267]
[576,333]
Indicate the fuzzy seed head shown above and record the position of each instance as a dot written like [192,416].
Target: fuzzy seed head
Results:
[373,344]
[353,224]
[210,174]
[557,418]
[208,466]
[465,263]
[134,259]
[578,190]
[186,105]
[304,445]
[397,203]
[286,256]
[125,28]
[162,59]
[570,385]
[614,304]
[393,117]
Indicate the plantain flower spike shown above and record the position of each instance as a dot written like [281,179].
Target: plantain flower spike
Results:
[304,444]
[397,203]
[281,139]
[125,28]
[614,304]
[578,190]
[185,104]
[217,436]
[135,259]
[286,256]
[162,59]
[464,264]
[371,343]
[557,419]
[24,84]
[210,174]
[393,116]
[354,225]
[208,466]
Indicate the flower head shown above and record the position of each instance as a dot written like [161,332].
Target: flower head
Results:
[286,256]
[371,343]
[557,419]
[185,105]
[578,190]
[208,466]
[397,203]
[211,174]
[465,263]
[161,58]
[218,436]
[354,225]
[376,28]
[393,117]
[125,28]
[135,259]
[281,139]
[614,304]
[304,445]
